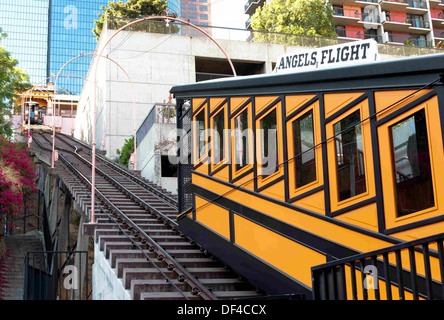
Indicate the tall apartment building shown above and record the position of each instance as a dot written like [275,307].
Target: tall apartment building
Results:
[408,22]
[44,34]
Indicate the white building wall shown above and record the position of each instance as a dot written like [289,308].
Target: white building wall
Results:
[106,285]
[155,63]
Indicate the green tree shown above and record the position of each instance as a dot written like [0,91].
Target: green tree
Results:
[125,11]
[126,151]
[301,17]
[12,81]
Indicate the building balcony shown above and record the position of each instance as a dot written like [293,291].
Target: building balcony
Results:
[352,17]
[419,26]
[396,22]
[416,7]
[370,18]
[437,15]
[437,19]
[355,3]
[437,4]
[347,17]
[438,34]
[417,4]
[356,34]
[407,40]
[252,5]
[394,5]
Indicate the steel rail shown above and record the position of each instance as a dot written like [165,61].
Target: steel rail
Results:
[130,175]
[162,254]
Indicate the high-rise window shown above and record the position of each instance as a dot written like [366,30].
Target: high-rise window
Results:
[26,23]
[44,34]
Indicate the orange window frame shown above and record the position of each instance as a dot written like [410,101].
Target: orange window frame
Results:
[236,173]
[433,124]
[261,181]
[293,190]
[368,159]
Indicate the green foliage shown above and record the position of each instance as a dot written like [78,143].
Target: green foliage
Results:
[132,9]
[125,152]
[12,81]
[301,17]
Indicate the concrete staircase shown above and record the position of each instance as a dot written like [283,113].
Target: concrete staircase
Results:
[18,246]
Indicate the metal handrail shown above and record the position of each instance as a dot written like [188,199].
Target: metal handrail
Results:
[330,281]
[52,270]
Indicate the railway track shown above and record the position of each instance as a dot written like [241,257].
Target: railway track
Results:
[138,233]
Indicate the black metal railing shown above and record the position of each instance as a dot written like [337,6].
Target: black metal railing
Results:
[438,33]
[344,12]
[418,23]
[436,15]
[402,271]
[356,34]
[27,222]
[56,275]
[417,4]
[397,1]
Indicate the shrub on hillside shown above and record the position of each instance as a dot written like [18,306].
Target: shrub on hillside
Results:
[17,179]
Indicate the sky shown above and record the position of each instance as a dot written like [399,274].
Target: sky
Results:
[229,13]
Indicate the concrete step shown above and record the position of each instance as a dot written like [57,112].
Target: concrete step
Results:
[176,245]
[130,263]
[188,253]
[125,254]
[155,285]
[132,274]
[198,262]
[102,239]
[108,246]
